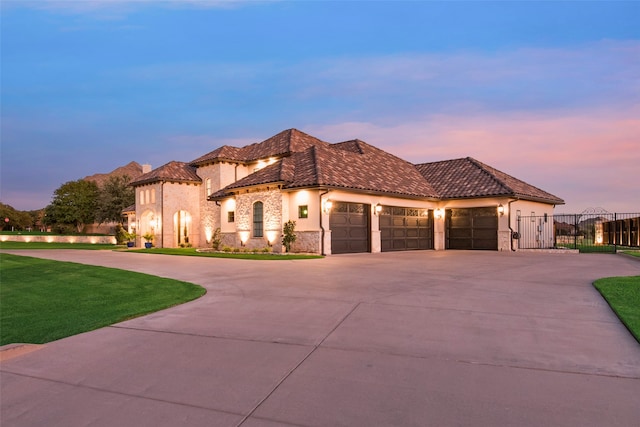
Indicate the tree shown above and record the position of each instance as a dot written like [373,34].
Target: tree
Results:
[74,203]
[18,220]
[114,196]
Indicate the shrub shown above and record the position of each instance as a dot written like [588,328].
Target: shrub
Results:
[216,239]
[289,235]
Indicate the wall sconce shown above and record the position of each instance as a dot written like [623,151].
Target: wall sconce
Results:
[501,209]
[328,204]
[438,213]
[377,208]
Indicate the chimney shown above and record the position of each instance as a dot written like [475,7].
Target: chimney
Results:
[146,168]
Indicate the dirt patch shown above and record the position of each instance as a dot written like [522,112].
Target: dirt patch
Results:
[10,351]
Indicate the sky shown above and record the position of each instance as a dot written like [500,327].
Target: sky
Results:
[546,91]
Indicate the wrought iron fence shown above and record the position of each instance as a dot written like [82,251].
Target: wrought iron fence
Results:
[588,232]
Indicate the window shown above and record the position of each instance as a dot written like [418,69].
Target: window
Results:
[142,197]
[257,220]
[231,216]
[303,211]
[207,188]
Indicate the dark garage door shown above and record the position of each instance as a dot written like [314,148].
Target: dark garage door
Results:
[403,229]
[475,228]
[349,224]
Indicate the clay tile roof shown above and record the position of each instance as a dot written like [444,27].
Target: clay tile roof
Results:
[360,166]
[172,171]
[282,144]
[468,178]
[131,208]
[226,152]
[351,165]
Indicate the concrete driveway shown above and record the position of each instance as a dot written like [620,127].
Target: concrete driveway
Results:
[405,339]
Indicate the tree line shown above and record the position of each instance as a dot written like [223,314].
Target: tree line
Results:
[75,204]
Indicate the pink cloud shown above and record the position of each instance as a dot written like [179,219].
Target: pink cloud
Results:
[589,158]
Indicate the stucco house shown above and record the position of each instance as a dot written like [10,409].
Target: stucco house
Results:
[344,197]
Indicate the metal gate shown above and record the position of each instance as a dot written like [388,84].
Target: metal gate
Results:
[587,232]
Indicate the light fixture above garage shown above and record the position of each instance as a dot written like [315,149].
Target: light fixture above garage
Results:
[328,204]
[501,209]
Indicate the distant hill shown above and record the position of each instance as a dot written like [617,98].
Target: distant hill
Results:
[133,170]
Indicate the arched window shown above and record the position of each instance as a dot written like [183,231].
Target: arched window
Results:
[207,187]
[257,220]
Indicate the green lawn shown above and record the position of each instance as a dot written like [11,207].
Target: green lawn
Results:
[633,253]
[623,295]
[236,255]
[55,245]
[45,300]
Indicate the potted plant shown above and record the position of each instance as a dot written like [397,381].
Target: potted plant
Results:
[131,239]
[149,240]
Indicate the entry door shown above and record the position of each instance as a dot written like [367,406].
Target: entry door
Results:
[349,224]
[473,228]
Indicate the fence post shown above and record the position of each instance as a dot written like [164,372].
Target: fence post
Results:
[615,233]
[575,231]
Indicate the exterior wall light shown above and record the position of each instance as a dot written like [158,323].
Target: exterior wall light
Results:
[501,209]
[377,208]
[327,206]
[271,236]
[439,213]
[244,236]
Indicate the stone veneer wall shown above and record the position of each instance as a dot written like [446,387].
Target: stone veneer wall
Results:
[272,216]
[208,215]
[307,242]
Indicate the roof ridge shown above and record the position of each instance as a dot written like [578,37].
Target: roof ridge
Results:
[483,167]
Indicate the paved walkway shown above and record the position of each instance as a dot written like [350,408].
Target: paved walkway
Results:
[406,339]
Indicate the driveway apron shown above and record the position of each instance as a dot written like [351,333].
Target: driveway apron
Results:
[421,338]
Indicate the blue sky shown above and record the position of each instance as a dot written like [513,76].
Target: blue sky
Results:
[546,91]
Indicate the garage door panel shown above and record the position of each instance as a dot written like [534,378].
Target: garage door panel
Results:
[456,233]
[413,232]
[472,228]
[358,221]
[358,233]
[484,222]
[484,234]
[339,220]
[349,224]
[399,233]
[404,229]
[461,222]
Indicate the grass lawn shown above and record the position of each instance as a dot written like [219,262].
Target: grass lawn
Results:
[55,245]
[632,253]
[236,255]
[45,300]
[623,295]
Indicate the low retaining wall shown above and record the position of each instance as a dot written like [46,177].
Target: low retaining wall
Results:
[104,240]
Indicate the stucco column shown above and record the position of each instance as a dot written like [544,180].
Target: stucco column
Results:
[438,232]
[376,245]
